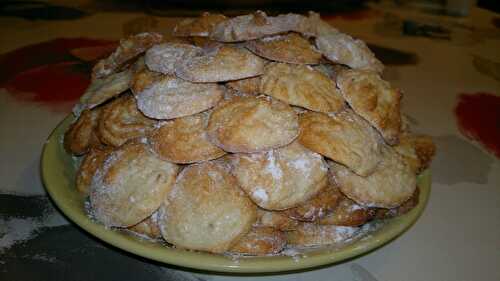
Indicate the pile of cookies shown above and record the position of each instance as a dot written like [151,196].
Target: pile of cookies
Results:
[244,135]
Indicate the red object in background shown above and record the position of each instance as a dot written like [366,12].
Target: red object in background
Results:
[478,117]
[48,72]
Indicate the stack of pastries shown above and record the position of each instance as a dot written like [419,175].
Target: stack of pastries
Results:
[245,135]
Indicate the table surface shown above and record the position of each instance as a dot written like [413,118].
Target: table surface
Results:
[456,238]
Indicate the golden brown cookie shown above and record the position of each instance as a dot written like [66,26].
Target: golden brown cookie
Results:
[81,134]
[249,124]
[220,63]
[206,210]
[343,49]
[417,150]
[275,219]
[257,25]
[281,178]
[348,213]
[103,89]
[120,121]
[344,137]
[128,49]
[317,207]
[247,86]
[200,26]
[404,208]
[301,85]
[164,57]
[311,234]
[170,97]
[184,140]
[392,183]
[91,162]
[148,227]
[130,186]
[289,48]
[374,99]
[260,241]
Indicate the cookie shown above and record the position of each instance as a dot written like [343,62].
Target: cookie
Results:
[343,49]
[258,25]
[344,137]
[200,26]
[91,162]
[249,124]
[408,205]
[275,219]
[103,89]
[128,49]
[348,213]
[374,99]
[148,228]
[164,57]
[220,63]
[167,97]
[390,185]
[281,178]
[260,241]
[81,134]
[206,210]
[121,121]
[247,85]
[184,140]
[289,48]
[417,151]
[318,206]
[302,86]
[312,235]
[130,185]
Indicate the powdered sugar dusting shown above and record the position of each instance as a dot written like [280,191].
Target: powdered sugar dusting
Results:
[272,166]
[260,194]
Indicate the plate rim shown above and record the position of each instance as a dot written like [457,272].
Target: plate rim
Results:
[212,262]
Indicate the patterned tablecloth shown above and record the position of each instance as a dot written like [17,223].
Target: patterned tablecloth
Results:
[451,83]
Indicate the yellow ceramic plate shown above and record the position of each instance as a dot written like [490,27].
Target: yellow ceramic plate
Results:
[58,171]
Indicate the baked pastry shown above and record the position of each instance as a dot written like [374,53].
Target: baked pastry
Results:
[289,48]
[318,206]
[148,228]
[343,137]
[130,185]
[348,213]
[92,161]
[250,124]
[184,140]
[206,210]
[120,121]
[281,178]
[258,25]
[103,89]
[164,57]
[169,97]
[275,219]
[374,99]
[417,151]
[392,183]
[302,86]
[247,85]
[81,134]
[127,50]
[260,241]
[201,26]
[220,63]
[311,234]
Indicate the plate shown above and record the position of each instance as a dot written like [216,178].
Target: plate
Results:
[58,172]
